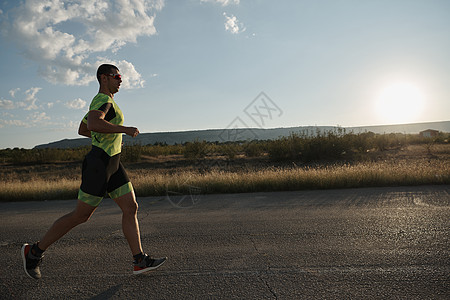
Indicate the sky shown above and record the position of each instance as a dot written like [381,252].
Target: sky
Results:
[213,64]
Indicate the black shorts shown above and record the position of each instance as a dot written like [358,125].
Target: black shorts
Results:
[101,175]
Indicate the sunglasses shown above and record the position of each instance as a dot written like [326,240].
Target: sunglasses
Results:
[115,76]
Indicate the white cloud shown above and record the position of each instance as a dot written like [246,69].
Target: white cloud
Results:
[76,104]
[63,36]
[31,93]
[14,123]
[13,92]
[222,2]
[28,102]
[38,117]
[30,99]
[7,115]
[6,104]
[131,77]
[233,25]
[71,124]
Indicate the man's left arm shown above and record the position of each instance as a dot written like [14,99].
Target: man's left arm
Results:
[83,130]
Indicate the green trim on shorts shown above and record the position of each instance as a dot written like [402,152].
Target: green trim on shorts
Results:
[124,189]
[89,199]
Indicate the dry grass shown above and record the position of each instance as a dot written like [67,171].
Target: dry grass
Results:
[387,173]
[414,165]
[38,189]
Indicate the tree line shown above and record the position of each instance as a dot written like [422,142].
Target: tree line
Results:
[303,147]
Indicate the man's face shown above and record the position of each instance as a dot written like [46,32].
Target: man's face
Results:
[114,80]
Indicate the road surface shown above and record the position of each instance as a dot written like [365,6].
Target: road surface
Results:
[369,243]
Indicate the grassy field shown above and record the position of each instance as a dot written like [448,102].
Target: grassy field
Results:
[213,172]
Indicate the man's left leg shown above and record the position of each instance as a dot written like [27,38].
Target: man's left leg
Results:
[130,226]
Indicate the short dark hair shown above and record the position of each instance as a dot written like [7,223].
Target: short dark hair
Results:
[105,69]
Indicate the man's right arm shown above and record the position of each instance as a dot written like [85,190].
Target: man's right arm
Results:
[96,122]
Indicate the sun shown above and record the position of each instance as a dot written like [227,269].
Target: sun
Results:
[400,102]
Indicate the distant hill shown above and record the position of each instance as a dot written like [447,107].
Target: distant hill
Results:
[243,134]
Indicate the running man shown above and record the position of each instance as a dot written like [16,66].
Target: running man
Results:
[102,173]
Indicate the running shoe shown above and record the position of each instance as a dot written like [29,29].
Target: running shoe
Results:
[148,264]
[30,262]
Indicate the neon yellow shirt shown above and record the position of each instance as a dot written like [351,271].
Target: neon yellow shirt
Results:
[111,143]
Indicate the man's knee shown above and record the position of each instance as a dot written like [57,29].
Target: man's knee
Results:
[130,208]
[83,212]
[85,218]
[128,204]
[82,217]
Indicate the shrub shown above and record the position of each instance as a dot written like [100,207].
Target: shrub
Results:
[196,149]
[161,150]
[131,153]
[253,149]
[27,156]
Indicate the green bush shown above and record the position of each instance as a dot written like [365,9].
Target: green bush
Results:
[196,149]
[285,148]
[27,156]
[253,149]
[131,153]
[162,150]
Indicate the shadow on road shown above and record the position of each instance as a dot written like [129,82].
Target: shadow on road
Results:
[108,294]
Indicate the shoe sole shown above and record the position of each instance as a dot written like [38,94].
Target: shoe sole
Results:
[24,259]
[149,269]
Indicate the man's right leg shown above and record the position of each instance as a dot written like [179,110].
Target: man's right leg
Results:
[32,259]
[79,215]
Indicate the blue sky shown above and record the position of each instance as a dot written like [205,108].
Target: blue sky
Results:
[197,64]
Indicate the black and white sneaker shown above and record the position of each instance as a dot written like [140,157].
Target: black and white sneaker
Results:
[148,264]
[30,262]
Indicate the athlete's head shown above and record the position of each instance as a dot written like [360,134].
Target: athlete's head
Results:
[109,78]
[105,69]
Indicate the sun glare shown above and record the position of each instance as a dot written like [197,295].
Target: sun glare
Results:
[400,102]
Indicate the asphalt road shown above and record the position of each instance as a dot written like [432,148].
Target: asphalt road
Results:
[371,243]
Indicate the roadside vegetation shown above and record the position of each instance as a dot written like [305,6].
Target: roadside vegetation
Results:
[334,159]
